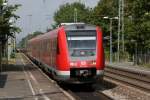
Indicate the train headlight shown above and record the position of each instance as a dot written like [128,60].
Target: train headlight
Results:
[94,63]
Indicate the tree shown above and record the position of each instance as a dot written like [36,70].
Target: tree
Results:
[137,23]
[66,13]
[6,28]
[138,26]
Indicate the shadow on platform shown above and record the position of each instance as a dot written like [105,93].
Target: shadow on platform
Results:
[14,67]
[3,79]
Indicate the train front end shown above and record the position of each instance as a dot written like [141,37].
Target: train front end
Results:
[85,56]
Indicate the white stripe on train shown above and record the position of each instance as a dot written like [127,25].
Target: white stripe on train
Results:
[98,72]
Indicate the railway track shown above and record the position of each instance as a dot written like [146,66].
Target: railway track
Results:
[136,78]
[80,92]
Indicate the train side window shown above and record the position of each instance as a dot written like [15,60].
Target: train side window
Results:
[58,50]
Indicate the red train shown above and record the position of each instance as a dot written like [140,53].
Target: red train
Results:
[71,53]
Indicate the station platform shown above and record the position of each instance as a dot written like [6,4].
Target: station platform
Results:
[23,81]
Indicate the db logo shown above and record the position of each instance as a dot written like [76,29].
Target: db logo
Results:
[83,62]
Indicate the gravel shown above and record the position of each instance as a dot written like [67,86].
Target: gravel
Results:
[124,92]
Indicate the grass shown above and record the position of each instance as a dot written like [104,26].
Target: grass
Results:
[146,65]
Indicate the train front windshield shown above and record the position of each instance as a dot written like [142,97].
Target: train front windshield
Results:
[82,45]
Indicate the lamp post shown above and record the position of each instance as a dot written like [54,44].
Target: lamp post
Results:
[110,19]
[75,15]
[136,51]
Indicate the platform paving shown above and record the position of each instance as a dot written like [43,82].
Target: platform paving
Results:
[23,81]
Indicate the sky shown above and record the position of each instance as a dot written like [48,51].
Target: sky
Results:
[38,14]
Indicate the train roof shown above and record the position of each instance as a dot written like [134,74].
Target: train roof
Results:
[45,35]
[77,26]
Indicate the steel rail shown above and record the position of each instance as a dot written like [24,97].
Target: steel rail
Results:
[136,78]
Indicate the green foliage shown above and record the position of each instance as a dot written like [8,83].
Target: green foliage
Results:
[7,28]
[107,8]
[138,26]
[137,23]
[1,1]
[7,13]
[66,13]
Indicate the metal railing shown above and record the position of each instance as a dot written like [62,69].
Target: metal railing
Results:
[139,58]
[143,58]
